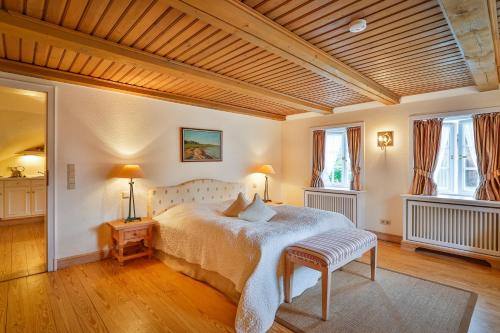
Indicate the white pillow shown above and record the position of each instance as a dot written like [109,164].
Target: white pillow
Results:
[257,211]
[237,206]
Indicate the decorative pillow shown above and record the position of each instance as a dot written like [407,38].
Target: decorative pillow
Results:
[257,211]
[237,206]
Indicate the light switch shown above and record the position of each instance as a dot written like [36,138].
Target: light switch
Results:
[70,172]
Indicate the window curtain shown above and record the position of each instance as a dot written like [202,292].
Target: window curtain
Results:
[487,142]
[426,140]
[354,145]
[318,158]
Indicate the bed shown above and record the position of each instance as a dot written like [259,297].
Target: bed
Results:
[244,260]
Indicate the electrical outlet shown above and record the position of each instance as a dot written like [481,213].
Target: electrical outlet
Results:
[125,195]
[385,222]
[254,185]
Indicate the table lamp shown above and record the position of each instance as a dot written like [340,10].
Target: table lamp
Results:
[266,169]
[130,171]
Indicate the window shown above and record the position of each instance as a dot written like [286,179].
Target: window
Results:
[337,172]
[456,169]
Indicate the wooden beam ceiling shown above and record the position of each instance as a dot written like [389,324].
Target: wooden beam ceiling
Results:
[242,21]
[89,81]
[30,28]
[470,23]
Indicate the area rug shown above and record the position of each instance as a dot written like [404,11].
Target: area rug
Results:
[394,303]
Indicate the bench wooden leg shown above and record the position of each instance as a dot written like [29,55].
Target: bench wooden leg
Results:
[326,277]
[373,262]
[288,280]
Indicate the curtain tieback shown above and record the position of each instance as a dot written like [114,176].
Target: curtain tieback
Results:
[423,173]
[492,175]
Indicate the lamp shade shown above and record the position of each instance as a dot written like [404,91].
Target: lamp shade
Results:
[129,171]
[266,169]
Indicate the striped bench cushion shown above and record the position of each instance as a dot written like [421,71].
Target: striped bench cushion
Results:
[333,247]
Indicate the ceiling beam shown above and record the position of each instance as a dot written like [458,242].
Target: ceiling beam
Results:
[492,9]
[469,20]
[15,67]
[238,19]
[34,29]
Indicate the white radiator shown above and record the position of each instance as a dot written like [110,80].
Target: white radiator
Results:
[471,227]
[339,201]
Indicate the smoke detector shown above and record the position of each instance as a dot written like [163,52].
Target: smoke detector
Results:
[357,25]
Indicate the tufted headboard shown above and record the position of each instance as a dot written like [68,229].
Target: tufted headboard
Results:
[200,190]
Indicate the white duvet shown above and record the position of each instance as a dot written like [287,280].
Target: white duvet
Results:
[250,254]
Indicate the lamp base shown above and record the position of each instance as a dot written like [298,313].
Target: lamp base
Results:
[268,200]
[132,219]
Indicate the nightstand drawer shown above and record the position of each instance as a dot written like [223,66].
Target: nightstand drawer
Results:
[133,234]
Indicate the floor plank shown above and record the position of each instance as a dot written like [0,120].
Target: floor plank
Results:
[22,250]
[147,296]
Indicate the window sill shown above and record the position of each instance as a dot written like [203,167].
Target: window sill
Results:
[333,190]
[453,199]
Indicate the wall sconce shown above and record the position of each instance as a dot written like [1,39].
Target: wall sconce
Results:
[385,139]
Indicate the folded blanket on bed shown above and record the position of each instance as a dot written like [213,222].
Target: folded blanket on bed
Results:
[250,254]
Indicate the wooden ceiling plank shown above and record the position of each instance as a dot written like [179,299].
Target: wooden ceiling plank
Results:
[12,47]
[102,68]
[77,65]
[402,42]
[145,22]
[423,60]
[50,74]
[148,79]
[167,19]
[27,50]
[90,65]
[35,8]
[67,60]
[432,71]
[397,49]
[184,36]
[41,53]
[232,58]
[238,19]
[172,31]
[448,43]
[257,56]
[91,16]
[111,15]
[79,42]
[192,42]
[55,57]
[470,23]
[16,5]
[55,11]
[339,26]
[414,24]
[406,11]
[216,51]
[423,65]
[74,13]
[427,25]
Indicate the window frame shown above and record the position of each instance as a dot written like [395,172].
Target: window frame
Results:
[449,114]
[338,127]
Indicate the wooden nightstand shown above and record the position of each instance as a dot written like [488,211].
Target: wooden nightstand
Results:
[140,232]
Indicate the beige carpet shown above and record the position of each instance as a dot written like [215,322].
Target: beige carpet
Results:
[394,303]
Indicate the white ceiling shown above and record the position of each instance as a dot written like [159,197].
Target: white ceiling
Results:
[22,120]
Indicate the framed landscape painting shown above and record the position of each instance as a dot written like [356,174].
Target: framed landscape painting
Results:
[201,145]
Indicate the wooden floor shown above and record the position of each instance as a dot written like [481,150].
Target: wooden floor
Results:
[146,296]
[22,250]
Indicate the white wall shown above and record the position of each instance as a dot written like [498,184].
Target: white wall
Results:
[386,173]
[98,129]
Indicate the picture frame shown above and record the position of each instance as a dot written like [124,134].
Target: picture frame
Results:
[201,145]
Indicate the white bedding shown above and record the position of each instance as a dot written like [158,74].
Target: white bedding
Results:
[250,254]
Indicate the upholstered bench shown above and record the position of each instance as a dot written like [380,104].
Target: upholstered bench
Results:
[326,253]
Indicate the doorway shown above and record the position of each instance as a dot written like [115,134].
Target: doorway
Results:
[25,191]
